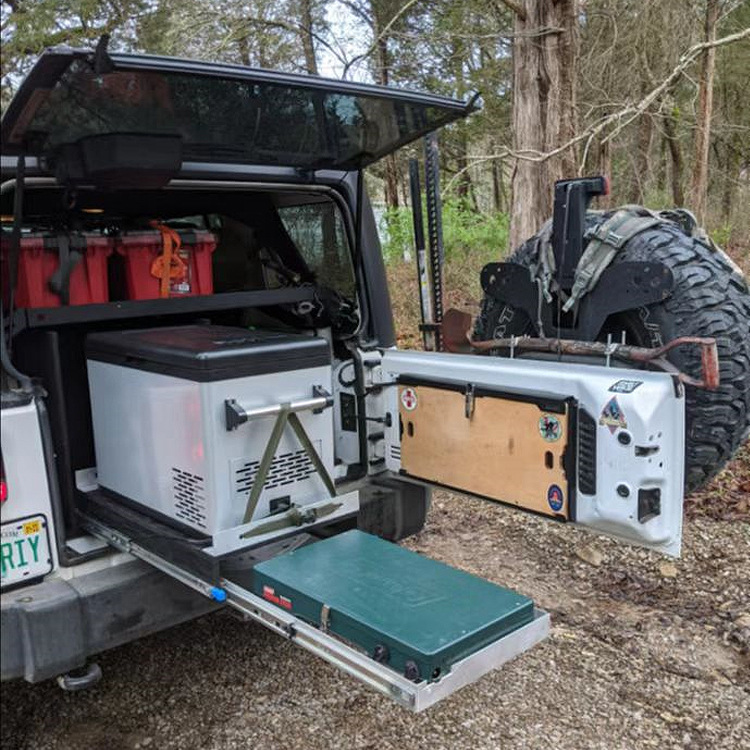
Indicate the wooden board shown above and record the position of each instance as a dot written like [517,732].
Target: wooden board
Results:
[500,452]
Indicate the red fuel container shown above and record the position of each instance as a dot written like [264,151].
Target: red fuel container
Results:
[39,269]
[141,249]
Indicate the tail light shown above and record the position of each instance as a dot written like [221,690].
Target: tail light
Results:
[3,483]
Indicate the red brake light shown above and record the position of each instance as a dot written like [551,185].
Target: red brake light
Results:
[3,483]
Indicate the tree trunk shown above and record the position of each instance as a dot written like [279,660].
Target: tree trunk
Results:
[642,162]
[544,107]
[497,186]
[733,147]
[675,155]
[661,172]
[404,190]
[382,76]
[699,181]
[731,177]
[244,49]
[306,36]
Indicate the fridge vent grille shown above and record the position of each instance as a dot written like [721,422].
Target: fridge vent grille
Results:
[286,469]
[189,497]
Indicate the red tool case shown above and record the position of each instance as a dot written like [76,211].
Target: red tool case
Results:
[58,268]
[141,249]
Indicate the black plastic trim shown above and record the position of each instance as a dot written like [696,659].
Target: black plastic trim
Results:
[58,510]
[586,452]
[206,354]
[45,317]
[570,458]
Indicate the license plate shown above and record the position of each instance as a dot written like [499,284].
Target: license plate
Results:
[24,550]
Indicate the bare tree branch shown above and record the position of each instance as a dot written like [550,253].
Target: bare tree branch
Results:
[619,120]
[379,37]
[516,7]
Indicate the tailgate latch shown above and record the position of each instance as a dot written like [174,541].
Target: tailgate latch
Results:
[469,401]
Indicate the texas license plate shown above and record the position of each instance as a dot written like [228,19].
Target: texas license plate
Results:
[24,550]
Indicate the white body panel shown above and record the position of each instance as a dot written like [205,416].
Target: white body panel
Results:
[162,441]
[26,475]
[655,420]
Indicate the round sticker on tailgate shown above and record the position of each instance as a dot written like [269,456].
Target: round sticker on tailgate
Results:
[409,399]
[555,498]
[550,428]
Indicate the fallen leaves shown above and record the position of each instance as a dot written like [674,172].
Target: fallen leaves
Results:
[667,569]
[590,554]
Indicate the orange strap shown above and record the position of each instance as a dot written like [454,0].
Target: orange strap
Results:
[168,265]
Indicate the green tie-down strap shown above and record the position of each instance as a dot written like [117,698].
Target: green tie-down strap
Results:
[295,517]
[606,241]
[285,415]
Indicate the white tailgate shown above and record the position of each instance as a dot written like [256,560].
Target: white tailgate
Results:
[636,425]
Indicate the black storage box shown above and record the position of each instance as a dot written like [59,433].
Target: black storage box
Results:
[205,353]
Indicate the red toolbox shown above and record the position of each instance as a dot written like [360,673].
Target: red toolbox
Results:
[167,263]
[56,269]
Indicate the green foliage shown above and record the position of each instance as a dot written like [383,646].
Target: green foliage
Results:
[28,27]
[466,233]
[398,233]
[722,235]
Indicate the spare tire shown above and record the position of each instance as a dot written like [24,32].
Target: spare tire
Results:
[710,298]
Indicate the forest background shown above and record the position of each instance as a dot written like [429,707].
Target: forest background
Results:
[653,93]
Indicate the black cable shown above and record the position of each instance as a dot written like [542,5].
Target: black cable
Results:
[347,383]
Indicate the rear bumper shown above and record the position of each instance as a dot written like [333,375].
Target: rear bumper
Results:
[53,627]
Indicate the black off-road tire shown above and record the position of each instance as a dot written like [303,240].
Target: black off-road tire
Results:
[710,298]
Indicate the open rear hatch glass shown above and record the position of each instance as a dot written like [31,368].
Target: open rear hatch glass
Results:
[221,113]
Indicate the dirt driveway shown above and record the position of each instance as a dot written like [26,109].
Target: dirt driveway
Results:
[643,653]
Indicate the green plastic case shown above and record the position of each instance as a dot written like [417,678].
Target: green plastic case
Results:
[393,603]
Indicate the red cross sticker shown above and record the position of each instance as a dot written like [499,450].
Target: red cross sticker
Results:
[409,399]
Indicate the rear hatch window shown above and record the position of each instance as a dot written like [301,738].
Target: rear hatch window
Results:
[221,113]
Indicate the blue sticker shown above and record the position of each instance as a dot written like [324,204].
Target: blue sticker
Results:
[555,497]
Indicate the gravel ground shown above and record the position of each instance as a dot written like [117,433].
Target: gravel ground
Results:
[643,653]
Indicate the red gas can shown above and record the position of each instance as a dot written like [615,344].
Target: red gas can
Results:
[190,258]
[44,282]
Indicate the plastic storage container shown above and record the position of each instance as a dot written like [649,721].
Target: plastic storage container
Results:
[142,250]
[43,283]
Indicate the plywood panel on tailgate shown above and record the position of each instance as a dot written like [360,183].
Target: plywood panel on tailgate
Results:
[499,446]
